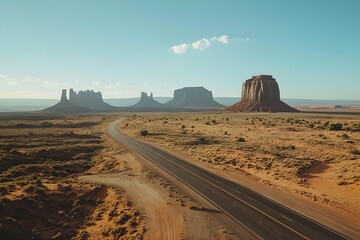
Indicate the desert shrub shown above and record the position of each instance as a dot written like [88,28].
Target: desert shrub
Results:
[326,124]
[355,152]
[202,140]
[30,188]
[227,119]
[192,126]
[344,136]
[124,218]
[335,126]
[207,122]
[225,132]
[144,133]
[3,190]
[240,139]
[182,126]
[213,121]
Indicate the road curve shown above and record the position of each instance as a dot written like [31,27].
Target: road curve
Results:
[265,218]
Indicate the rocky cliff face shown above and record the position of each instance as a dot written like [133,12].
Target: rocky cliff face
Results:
[193,97]
[261,88]
[63,95]
[88,99]
[260,94]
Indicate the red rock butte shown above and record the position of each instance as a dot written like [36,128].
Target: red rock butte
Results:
[260,94]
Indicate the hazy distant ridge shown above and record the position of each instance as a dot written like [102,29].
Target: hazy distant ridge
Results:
[24,104]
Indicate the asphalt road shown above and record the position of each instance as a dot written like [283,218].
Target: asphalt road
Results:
[264,217]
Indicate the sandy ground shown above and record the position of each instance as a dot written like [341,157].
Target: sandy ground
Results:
[293,158]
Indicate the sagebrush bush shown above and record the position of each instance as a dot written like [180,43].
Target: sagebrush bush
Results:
[144,133]
[335,126]
[241,139]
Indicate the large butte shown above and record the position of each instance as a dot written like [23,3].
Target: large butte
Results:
[260,93]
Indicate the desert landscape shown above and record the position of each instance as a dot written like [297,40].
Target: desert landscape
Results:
[179,120]
[91,187]
[299,153]
[64,178]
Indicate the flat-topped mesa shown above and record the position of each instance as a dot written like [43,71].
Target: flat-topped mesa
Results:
[193,97]
[260,94]
[261,88]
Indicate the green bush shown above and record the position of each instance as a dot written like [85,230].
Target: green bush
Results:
[335,126]
[144,133]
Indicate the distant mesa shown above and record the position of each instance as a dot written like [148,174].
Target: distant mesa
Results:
[89,99]
[148,102]
[260,94]
[193,97]
[81,102]
[65,106]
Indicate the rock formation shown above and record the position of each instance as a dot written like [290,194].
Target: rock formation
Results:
[65,106]
[63,95]
[88,99]
[260,94]
[193,97]
[147,102]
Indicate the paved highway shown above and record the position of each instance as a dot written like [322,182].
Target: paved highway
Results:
[265,218]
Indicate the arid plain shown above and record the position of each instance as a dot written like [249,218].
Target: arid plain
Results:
[69,167]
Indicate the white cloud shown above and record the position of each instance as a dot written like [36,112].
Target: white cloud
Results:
[9,81]
[96,83]
[109,86]
[204,43]
[47,83]
[222,39]
[180,49]
[201,44]
[76,81]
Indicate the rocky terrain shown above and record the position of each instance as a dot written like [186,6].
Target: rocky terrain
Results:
[260,94]
[193,97]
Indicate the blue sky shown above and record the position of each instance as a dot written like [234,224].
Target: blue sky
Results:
[312,47]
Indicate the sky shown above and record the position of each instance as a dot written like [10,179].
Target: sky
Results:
[123,47]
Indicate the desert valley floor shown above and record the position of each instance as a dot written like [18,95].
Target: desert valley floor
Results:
[92,187]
